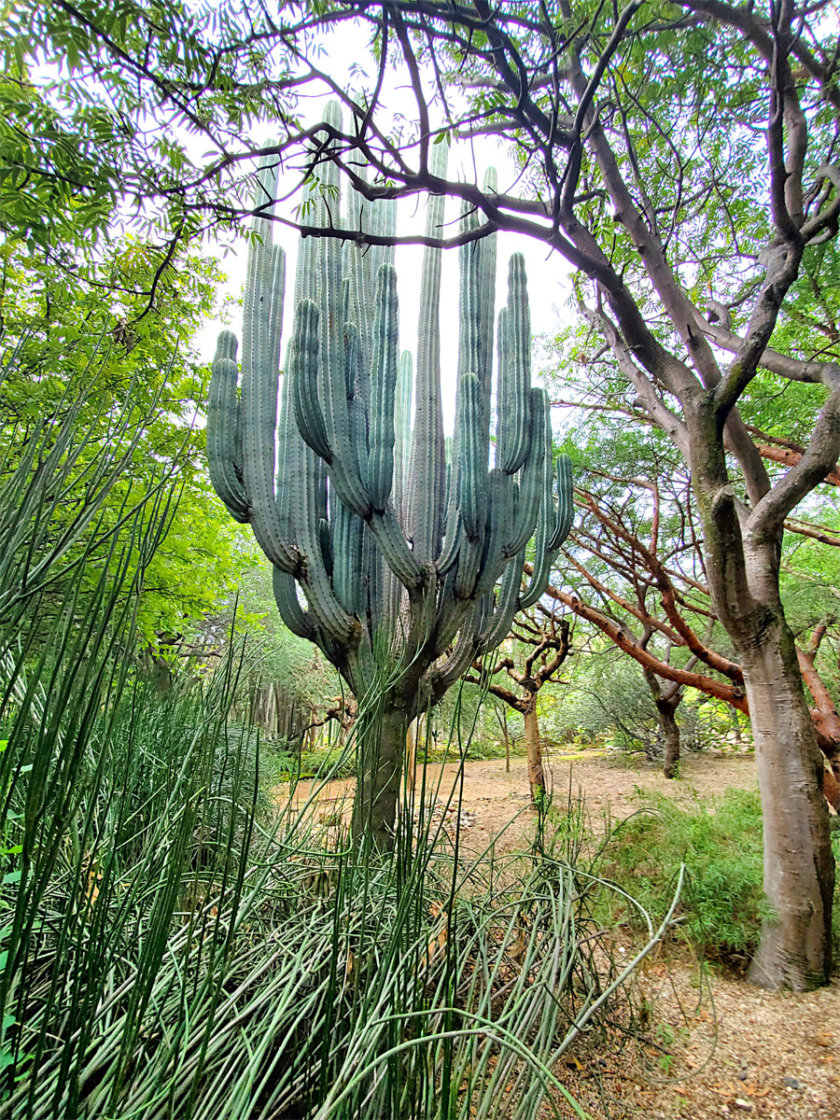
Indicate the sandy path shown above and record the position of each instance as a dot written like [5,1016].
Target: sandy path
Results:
[496,803]
[739,1051]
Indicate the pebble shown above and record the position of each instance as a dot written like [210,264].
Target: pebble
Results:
[791,1082]
[745,1106]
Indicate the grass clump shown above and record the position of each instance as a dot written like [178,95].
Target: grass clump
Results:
[720,842]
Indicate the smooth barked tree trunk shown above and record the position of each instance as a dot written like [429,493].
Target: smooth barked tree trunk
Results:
[743,550]
[795,948]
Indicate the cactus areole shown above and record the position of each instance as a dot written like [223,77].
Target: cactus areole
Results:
[398,552]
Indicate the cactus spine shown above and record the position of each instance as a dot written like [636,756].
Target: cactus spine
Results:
[400,556]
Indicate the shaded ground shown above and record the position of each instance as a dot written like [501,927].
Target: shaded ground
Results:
[719,1048]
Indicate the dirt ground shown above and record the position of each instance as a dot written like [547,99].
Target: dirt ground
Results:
[714,1046]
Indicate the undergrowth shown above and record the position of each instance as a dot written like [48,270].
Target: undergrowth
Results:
[290,766]
[719,840]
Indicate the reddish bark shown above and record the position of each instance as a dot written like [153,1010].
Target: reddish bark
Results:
[631,557]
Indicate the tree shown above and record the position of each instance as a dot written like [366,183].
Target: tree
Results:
[386,551]
[544,643]
[637,553]
[136,386]
[105,107]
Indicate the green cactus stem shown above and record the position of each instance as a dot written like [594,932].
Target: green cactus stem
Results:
[398,551]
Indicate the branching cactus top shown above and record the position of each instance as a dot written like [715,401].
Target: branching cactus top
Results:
[392,546]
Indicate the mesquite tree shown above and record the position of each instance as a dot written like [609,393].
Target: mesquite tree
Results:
[402,563]
[542,642]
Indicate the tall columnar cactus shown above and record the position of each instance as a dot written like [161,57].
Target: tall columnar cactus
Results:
[400,553]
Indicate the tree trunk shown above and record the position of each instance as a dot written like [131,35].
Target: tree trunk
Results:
[666,707]
[671,733]
[533,749]
[381,746]
[795,949]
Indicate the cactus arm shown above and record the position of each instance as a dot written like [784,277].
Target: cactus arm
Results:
[466,572]
[453,613]
[322,278]
[452,535]
[358,273]
[383,223]
[359,429]
[345,438]
[362,262]
[303,371]
[552,529]
[258,405]
[428,454]
[330,616]
[498,527]
[347,571]
[294,616]
[470,334]
[378,575]
[472,476]
[472,487]
[565,502]
[500,621]
[533,474]
[384,359]
[539,578]
[477,298]
[224,440]
[542,556]
[290,457]
[402,435]
[398,556]
[488,249]
[514,371]
[451,547]
[467,648]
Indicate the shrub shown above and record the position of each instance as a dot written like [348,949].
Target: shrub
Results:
[722,905]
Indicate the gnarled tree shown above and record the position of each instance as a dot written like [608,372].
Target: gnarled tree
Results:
[544,641]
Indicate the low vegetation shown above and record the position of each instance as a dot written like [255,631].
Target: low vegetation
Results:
[719,844]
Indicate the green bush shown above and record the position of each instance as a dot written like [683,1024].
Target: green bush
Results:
[333,762]
[722,905]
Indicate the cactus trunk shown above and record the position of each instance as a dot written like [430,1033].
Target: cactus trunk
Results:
[381,744]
